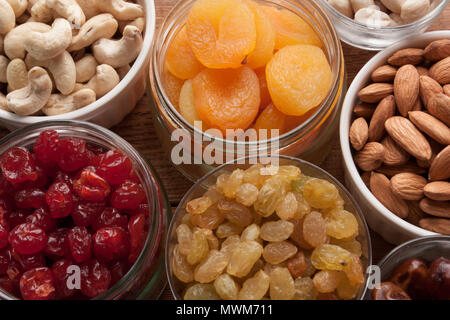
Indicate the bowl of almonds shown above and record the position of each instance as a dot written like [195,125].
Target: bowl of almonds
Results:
[395,136]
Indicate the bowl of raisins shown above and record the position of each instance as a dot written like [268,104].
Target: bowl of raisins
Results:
[251,231]
[82,216]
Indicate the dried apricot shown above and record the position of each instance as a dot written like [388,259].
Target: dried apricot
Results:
[172,86]
[227,99]
[290,29]
[180,59]
[186,104]
[221,32]
[264,91]
[265,38]
[298,78]
[270,119]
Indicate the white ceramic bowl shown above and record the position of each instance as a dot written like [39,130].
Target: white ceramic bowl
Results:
[392,228]
[110,109]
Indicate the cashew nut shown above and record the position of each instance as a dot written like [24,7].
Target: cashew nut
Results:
[373,17]
[8,18]
[360,4]
[3,104]
[1,44]
[23,18]
[414,9]
[30,5]
[105,79]
[122,71]
[343,6]
[86,68]
[33,97]
[14,40]
[78,55]
[62,68]
[18,6]
[121,10]
[40,12]
[68,9]
[89,8]
[17,74]
[47,45]
[140,22]
[394,5]
[101,26]
[396,20]
[4,61]
[118,53]
[59,104]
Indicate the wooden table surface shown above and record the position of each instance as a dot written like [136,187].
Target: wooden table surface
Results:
[137,129]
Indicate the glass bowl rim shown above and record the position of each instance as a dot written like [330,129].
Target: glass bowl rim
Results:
[336,182]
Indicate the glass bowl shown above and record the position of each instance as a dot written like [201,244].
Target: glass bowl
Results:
[146,278]
[307,168]
[372,38]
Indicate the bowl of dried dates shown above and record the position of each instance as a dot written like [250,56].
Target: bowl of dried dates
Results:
[395,138]
[82,216]
[417,270]
[253,231]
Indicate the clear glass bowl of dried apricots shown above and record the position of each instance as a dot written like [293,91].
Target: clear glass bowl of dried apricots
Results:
[269,71]
[257,229]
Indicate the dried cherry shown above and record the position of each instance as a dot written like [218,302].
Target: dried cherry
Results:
[114,167]
[28,238]
[91,187]
[18,165]
[37,284]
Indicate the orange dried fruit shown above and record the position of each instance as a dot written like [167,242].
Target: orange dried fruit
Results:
[290,29]
[180,58]
[265,38]
[227,99]
[270,118]
[186,103]
[264,91]
[172,86]
[298,78]
[221,32]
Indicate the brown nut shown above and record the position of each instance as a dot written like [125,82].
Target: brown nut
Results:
[438,281]
[389,291]
[411,276]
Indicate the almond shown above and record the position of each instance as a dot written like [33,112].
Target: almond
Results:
[436,225]
[365,176]
[435,208]
[380,187]
[406,56]
[447,89]
[439,106]
[370,157]
[438,190]
[440,71]
[364,110]
[415,213]
[374,92]
[418,105]
[440,167]
[359,132]
[406,88]
[437,50]
[408,186]
[422,71]
[410,166]
[408,137]
[385,73]
[385,110]
[428,88]
[394,155]
[431,126]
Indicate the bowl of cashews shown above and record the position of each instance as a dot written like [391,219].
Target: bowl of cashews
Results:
[376,24]
[73,59]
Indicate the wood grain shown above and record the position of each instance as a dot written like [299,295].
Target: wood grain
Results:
[137,128]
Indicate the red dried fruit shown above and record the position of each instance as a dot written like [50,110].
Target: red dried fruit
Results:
[14,218]
[32,198]
[42,218]
[60,275]
[143,208]
[118,270]
[110,217]
[56,247]
[37,284]
[4,234]
[114,167]
[40,182]
[85,213]
[78,242]
[14,270]
[10,285]
[91,187]
[95,278]
[72,154]
[62,176]
[29,261]
[46,147]
[59,199]
[5,259]
[18,165]
[28,238]
[138,235]
[111,243]
[128,196]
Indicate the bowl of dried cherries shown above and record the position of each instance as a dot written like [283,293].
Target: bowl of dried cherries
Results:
[82,216]
[251,230]
[417,270]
